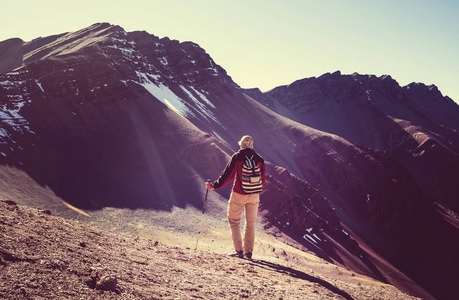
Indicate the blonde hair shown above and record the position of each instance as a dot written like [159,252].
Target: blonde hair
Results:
[246,142]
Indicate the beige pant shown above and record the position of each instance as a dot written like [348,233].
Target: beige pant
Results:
[236,204]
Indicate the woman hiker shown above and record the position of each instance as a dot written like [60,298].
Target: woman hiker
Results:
[248,170]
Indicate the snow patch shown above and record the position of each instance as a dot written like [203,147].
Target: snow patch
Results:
[201,107]
[155,77]
[165,95]
[123,41]
[14,101]
[125,51]
[4,133]
[7,83]
[368,94]
[312,237]
[39,85]
[311,240]
[307,236]
[163,61]
[203,97]
[24,71]
[124,46]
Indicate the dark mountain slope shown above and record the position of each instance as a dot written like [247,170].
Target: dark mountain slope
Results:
[99,137]
[414,124]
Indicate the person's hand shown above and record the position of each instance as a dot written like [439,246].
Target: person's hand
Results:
[209,186]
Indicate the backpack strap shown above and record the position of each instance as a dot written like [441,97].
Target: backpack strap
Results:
[250,163]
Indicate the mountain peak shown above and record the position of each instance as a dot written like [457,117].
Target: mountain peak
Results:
[421,90]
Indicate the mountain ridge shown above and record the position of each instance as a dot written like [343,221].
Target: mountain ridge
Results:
[387,111]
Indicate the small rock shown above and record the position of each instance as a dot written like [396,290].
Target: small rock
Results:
[107,283]
[9,202]
[92,279]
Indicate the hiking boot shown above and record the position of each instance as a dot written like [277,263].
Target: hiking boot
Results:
[249,255]
[238,253]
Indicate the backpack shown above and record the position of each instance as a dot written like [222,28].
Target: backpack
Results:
[251,176]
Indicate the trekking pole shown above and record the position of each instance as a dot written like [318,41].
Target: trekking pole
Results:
[202,216]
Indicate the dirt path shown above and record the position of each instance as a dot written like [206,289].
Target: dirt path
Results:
[47,257]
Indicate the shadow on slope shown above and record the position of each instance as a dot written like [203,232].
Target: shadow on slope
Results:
[270,266]
[129,154]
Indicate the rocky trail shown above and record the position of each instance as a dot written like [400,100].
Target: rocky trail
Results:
[47,257]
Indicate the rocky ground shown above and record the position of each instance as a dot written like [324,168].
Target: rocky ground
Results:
[47,257]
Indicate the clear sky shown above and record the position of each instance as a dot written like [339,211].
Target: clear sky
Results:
[267,43]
